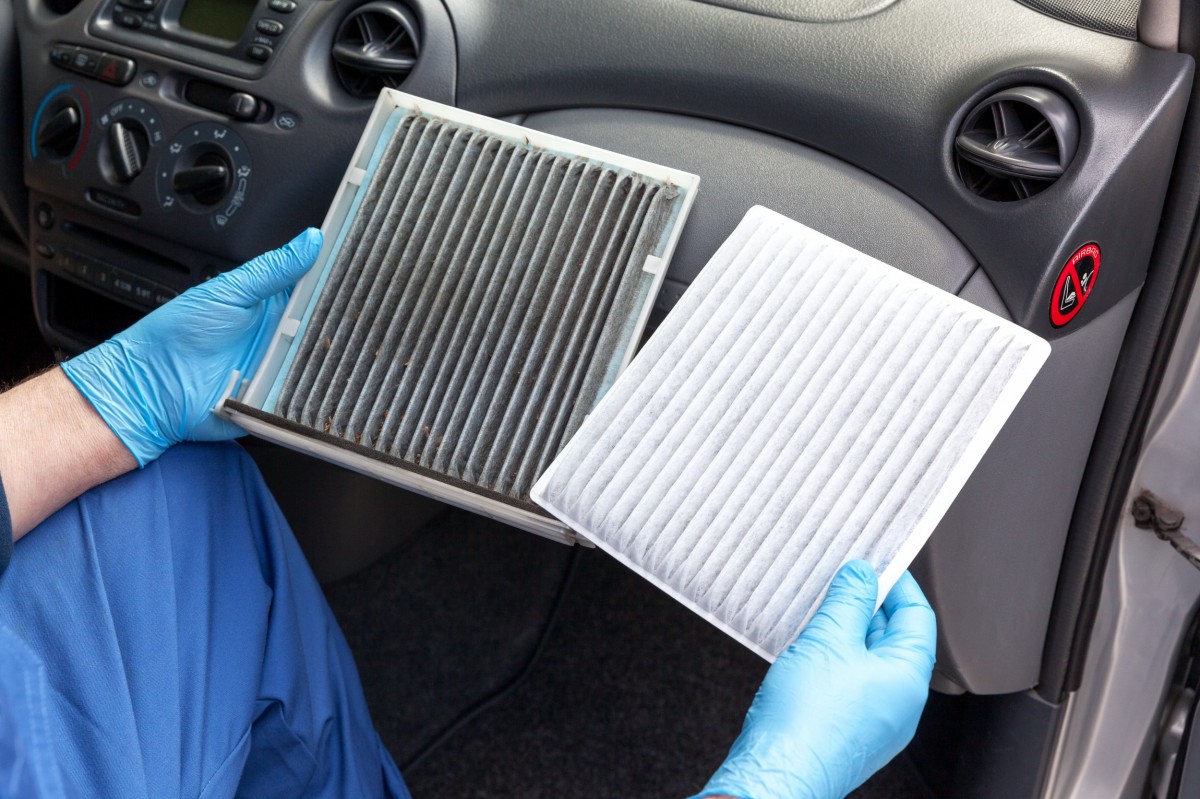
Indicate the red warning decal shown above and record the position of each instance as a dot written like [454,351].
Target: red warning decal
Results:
[1075,284]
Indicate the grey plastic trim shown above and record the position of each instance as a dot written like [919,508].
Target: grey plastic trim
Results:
[1008,526]
[741,168]
[1158,24]
[806,10]
[13,204]
[979,290]
[891,110]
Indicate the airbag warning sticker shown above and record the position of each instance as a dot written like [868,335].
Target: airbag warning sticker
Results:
[1075,284]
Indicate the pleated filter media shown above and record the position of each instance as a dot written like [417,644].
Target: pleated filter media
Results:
[802,405]
[484,286]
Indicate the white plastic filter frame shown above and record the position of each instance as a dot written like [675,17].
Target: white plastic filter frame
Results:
[255,390]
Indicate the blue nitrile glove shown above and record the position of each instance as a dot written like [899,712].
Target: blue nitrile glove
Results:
[842,700]
[156,383]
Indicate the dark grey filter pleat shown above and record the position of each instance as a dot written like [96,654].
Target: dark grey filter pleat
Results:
[476,306]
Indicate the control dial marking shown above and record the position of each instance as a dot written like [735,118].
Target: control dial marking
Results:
[139,110]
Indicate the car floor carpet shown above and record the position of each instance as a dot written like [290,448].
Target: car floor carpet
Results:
[632,695]
[445,620]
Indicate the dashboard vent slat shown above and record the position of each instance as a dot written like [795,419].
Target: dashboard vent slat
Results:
[376,47]
[1016,143]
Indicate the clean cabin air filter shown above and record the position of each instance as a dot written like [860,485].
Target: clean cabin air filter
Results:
[802,405]
[481,286]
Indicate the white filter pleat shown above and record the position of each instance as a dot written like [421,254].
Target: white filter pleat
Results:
[803,405]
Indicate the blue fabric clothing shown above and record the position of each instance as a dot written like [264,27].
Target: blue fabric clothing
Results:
[163,636]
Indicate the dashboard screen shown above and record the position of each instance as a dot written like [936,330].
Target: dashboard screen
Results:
[223,19]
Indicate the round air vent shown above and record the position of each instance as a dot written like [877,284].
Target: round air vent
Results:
[376,47]
[1016,143]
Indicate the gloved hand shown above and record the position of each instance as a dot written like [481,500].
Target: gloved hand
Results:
[156,383]
[842,700]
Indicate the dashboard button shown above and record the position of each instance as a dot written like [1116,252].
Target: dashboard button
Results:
[271,27]
[242,105]
[127,19]
[66,262]
[62,55]
[282,6]
[143,290]
[222,99]
[76,263]
[44,216]
[85,61]
[259,52]
[140,5]
[44,248]
[116,70]
[99,273]
[122,283]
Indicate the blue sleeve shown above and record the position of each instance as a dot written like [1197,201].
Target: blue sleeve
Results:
[6,531]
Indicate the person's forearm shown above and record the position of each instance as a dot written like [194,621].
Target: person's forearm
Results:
[53,447]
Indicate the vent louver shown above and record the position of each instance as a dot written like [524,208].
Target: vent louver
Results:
[1016,143]
[375,48]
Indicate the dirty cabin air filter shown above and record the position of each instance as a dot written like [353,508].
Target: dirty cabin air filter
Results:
[481,286]
[802,405]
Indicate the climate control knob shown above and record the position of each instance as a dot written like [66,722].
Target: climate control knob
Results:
[133,133]
[59,134]
[128,144]
[59,129]
[207,180]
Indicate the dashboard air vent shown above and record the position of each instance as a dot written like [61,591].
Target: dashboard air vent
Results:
[1016,143]
[375,48]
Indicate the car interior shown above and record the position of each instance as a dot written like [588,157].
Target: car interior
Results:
[1022,155]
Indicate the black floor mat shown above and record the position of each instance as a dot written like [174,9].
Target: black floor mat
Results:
[448,618]
[633,695]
